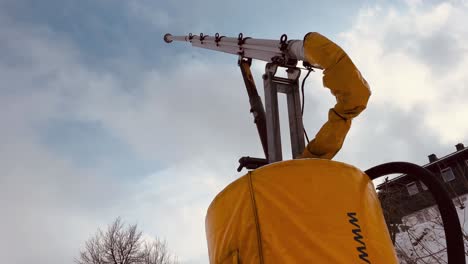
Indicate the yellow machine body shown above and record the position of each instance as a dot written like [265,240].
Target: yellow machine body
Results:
[299,211]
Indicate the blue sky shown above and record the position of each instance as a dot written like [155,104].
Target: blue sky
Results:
[100,118]
[104,30]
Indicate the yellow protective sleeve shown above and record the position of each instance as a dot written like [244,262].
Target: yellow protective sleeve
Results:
[299,211]
[348,86]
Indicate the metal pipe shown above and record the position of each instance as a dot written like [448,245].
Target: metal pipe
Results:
[261,49]
[189,38]
[245,52]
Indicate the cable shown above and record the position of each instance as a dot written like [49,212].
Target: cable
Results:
[303,102]
[452,228]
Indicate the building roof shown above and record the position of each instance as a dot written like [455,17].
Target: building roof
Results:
[456,153]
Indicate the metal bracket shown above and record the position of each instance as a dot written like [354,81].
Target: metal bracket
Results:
[251,163]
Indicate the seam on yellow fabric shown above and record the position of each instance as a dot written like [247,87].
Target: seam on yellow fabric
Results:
[257,223]
[337,114]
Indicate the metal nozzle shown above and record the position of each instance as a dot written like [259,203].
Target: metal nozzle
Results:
[168,38]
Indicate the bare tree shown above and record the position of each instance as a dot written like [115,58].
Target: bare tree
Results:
[156,252]
[121,244]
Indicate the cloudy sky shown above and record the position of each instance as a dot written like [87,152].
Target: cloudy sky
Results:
[100,118]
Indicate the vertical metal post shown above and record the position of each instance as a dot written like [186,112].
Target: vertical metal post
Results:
[272,114]
[296,128]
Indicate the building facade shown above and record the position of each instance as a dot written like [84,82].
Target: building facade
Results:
[403,195]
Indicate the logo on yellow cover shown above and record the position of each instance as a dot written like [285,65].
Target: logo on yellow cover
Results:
[362,249]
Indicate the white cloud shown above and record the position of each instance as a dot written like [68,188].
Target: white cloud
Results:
[153,15]
[183,120]
[43,196]
[172,203]
[416,57]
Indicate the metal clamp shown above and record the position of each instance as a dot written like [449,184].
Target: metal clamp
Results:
[202,37]
[218,39]
[283,42]
[241,40]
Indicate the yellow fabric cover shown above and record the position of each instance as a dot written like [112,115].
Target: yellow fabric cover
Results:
[348,86]
[297,211]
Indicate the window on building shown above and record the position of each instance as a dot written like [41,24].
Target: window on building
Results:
[412,188]
[424,187]
[447,174]
[466,163]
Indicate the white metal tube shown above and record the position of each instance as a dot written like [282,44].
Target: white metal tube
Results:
[169,38]
[251,41]
[261,55]
[249,50]
[264,42]
[227,49]
[245,46]
[235,41]
[261,49]
[248,53]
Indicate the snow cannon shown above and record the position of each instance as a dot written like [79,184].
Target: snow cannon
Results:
[299,211]
[308,209]
[314,211]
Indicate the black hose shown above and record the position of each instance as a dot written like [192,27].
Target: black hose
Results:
[452,228]
[303,101]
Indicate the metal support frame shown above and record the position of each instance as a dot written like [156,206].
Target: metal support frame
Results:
[290,86]
[267,119]
[275,152]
